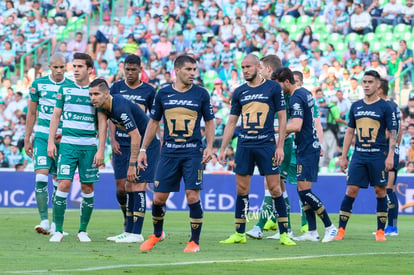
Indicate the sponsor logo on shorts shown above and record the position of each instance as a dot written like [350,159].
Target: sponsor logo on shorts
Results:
[64,169]
[41,160]
[198,183]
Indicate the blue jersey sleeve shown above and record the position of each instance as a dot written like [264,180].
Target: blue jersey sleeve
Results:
[296,107]
[235,104]
[207,108]
[278,98]
[157,109]
[351,122]
[127,118]
[150,100]
[391,118]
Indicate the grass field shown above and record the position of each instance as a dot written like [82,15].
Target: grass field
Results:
[25,252]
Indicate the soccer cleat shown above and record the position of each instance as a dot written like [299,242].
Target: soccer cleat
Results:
[53,230]
[57,237]
[114,238]
[192,247]
[270,225]
[340,235]
[285,240]
[380,236]
[330,233]
[304,228]
[255,233]
[276,236]
[152,240]
[391,231]
[43,227]
[83,237]
[312,236]
[235,238]
[131,238]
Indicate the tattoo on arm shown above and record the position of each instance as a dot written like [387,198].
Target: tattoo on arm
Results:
[393,139]
[134,152]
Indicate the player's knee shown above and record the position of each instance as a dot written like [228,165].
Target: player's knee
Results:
[64,185]
[193,196]
[87,188]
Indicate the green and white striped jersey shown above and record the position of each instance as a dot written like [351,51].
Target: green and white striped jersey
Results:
[78,116]
[44,91]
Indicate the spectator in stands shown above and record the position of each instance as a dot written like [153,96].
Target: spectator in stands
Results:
[129,19]
[355,91]
[156,8]
[153,79]
[394,68]
[7,57]
[189,32]
[217,22]
[375,10]
[306,38]
[365,54]
[77,44]
[209,60]
[163,49]
[213,165]
[226,30]
[50,31]
[92,46]
[341,21]
[292,8]
[244,42]
[310,82]
[405,54]
[312,8]
[352,60]
[344,104]
[106,32]
[63,12]
[121,37]
[331,54]
[80,7]
[407,14]
[201,21]
[317,62]
[410,151]
[3,161]
[172,28]
[331,8]
[220,95]
[63,50]
[15,156]
[377,66]
[390,13]
[130,46]
[360,21]
[198,46]
[17,104]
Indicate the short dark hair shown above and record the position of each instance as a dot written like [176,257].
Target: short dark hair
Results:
[133,59]
[283,74]
[374,74]
[298,74]
[384,86]
[272,60]
[100,83]
[86,57]
[179,61]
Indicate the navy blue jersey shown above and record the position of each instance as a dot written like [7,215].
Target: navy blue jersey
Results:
[397,112]
[301,105]
[371,121]
[182,112]
[143,96]
[257,107]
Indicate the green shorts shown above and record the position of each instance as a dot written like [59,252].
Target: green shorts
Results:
[71,158]
[287,150]
[40,158]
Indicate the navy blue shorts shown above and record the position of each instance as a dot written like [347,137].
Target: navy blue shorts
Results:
[307,166]
[120,162]
[263,157]
[368,171]
[170,170]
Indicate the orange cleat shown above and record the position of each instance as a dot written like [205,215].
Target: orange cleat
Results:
[380,235]
[192,247]
[152,240]
[340,235]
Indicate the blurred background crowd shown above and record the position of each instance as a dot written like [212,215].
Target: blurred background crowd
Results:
[331,42]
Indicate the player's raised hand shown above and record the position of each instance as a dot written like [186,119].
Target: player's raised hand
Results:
[142,160]
[51,150]
[279,156]
[115,147]
[222,158]
[344,164]
[207,156]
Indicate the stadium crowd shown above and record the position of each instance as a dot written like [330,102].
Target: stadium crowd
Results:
[331,42]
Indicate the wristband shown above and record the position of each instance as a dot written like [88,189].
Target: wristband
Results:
[142,150]
[132,164]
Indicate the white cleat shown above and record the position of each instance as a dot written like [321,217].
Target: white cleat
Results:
[131,238]
[312,236]
[114,238]
[53,230]
[330,233]
[276,236]
[83,237]
[43,227]
[255,233]
[57,237]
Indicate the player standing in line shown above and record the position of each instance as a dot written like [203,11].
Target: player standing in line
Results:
[257,101]
[301,108]
[78,145]
[142,94]
[371,117]
[128,115]
[392,229]
[182,105]
[43,93]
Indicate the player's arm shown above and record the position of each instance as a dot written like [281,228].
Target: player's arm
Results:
[389,162]
[114,144]
[99,158]
[210,129]
[279,154]
[349,136]
[227,137]
[132,167]
[294,125]
[54,124]
[30,122]
[150,132]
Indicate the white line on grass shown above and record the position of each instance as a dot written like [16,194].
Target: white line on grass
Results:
[202,262]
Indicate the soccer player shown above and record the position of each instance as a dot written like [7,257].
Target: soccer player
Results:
[142,94]
[371,117]
[182,105]
[392,229]
[43,94]
[301,108]
[257,101]
[128,115]
[78,145]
